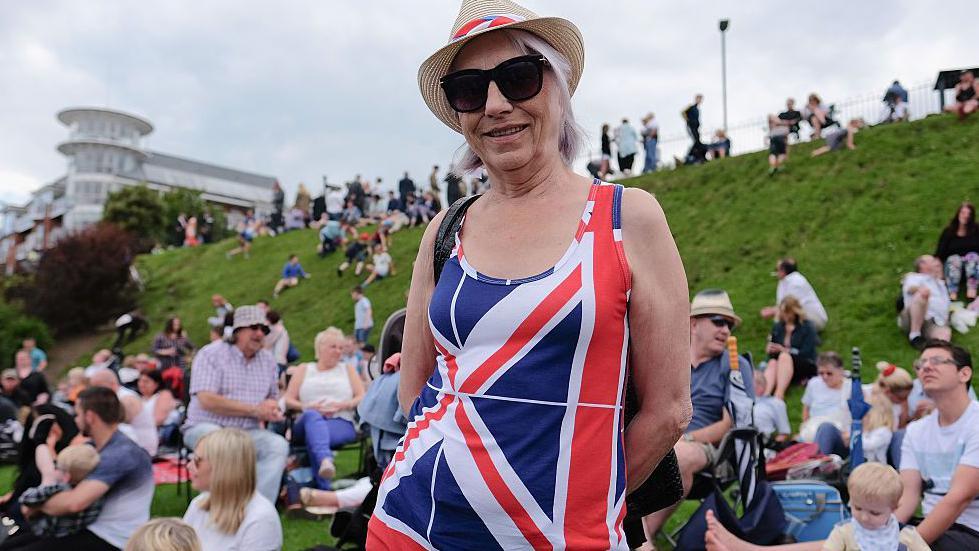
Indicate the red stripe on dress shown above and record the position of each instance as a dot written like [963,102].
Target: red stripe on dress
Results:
[592,453]
[526,331]
[381,537]
[450,363]
[497,486]
[423,424]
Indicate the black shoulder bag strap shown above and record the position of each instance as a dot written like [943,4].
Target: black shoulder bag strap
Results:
[445,238]
[663,487]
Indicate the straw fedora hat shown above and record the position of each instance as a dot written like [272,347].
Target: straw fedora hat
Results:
[481,16]
[713,302]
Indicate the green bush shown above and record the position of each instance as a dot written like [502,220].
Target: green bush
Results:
[139,211]
[15,326]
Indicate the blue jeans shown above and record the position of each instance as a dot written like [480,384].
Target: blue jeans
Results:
[363,334]
[830,440]
[650,164]
[271,448]
[321,435]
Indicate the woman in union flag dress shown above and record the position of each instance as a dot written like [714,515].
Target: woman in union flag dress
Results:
[514,364]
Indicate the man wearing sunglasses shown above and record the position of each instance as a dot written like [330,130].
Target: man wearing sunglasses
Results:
[712,319]
[233,384]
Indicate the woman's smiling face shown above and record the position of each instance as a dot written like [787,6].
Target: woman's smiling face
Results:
[508,135]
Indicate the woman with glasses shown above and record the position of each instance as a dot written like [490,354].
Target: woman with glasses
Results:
[513,366]
[825,415]
[229,515]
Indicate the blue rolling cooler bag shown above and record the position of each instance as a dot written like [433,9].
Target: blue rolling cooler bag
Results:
[812,508]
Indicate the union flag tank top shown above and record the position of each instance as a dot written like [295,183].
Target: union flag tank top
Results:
[516,439]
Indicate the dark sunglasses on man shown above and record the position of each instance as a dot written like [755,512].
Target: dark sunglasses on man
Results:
[518,79]
[721,321]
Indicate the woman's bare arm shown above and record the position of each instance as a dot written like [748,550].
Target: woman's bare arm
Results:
[659,352]
[418,346]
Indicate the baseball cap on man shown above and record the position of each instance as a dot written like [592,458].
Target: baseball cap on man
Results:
[713,302]
[247,316]
[9,374]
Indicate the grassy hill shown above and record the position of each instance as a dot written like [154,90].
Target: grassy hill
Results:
[854,220]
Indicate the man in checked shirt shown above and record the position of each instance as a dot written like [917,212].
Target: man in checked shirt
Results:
[233,384]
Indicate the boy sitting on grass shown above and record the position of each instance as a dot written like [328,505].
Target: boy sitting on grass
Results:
[74,463]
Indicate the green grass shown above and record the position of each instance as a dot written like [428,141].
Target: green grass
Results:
[181,282]
[854,220]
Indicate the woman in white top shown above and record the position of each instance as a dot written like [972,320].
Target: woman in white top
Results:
[230,515]
[825,415]
[327,391]
[158,403]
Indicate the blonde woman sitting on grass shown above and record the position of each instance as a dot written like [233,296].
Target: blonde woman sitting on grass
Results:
[164,534]
[229,515]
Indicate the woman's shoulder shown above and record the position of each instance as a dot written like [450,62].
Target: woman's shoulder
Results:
[641,212]
[259,509]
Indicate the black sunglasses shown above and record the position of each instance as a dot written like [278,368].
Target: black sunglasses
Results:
[721,321]
[518,79]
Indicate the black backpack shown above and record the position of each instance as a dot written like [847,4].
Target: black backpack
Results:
[663,487]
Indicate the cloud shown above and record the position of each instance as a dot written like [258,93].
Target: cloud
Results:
[309,88]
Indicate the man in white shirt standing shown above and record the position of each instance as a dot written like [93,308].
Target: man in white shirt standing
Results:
[926,302]
[791,282]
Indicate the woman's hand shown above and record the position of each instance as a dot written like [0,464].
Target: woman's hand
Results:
[329,409]
[54,435]
[774,348]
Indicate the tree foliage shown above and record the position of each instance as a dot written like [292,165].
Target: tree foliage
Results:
[83,281]
[15,326]
[138,210]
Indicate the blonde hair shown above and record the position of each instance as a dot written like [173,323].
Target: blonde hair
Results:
[791,305]
[321,337]
[78,461]
[880,414]
[876,481]
[231,454]
[893,378]
[76,374]
[164,534]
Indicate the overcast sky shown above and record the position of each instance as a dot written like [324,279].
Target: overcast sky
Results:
[300,89]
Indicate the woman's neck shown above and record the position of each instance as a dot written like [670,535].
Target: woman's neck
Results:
[323,366]
[527,180]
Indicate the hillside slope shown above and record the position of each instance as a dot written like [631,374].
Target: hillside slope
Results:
[855,220]
[181,282]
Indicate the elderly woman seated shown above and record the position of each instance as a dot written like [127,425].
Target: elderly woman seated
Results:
[327,392]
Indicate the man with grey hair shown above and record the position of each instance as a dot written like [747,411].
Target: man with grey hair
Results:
[233,384]
[926,303]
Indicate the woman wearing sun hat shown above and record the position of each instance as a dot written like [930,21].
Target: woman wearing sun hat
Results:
[514,364]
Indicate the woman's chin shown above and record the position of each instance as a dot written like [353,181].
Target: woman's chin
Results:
[508,160]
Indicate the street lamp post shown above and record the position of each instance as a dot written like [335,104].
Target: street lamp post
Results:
[723,25]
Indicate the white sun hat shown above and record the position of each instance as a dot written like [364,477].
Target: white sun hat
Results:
[477,17]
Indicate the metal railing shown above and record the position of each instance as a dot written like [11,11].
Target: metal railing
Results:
[751,135]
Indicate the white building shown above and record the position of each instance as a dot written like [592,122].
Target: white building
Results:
[105,152]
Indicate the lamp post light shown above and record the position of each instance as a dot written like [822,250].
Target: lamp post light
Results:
[723,25]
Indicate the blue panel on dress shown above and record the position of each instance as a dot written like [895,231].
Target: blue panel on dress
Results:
[544,372]
[411,500]
[531,453]
[456,525]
